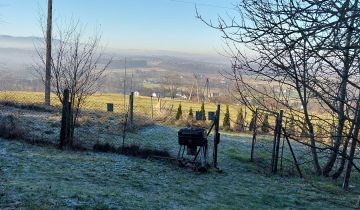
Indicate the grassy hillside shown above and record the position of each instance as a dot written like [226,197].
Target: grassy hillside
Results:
[44,178]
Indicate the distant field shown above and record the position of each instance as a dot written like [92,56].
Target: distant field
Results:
[142,103]
[142,107]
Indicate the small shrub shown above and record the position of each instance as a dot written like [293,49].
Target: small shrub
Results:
[240,122]
[226,122]
[179,113]
[252,122]
[291,128]
[203,111]
[191,114]
[265,124]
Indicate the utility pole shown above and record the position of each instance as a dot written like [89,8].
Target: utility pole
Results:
[125,87]
[206,92]
[131,82]
[197,87]
[48,55]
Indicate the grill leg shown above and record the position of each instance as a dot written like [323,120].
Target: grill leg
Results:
[203,157]
[203,162]
[197,154]
[178,156]
[181,154]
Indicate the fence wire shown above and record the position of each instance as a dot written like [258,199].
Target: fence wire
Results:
[97,125]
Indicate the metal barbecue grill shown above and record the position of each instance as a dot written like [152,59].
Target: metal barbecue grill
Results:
[195,142]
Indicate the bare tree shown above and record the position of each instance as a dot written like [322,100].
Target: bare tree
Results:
[170,84]
[76,65]
[308,46]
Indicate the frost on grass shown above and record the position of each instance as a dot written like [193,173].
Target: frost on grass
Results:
[39,177]
[44,177]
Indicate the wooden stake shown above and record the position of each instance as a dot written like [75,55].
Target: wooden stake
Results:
[131,110]
[278,139]
[294,157]
[217,135]
[274,143]
[254,136]
[64,119]
[152,108]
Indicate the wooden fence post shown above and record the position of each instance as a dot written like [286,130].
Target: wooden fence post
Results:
[274,142]
[152,108]
[64,132]
[254,136]
[217,135]
[278,139]
[131,110]
[282,148]
[70,125]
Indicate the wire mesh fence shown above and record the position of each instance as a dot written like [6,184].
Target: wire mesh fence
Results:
[287,148]
[97,123]
[263,126]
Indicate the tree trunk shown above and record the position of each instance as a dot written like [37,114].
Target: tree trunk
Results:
[313,145]
[339,132]
[352,148]
[341,100]
[303,98]
[350,161]
[344,153]
[355,138]
[48,55]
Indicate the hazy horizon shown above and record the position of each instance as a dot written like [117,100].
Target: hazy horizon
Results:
[160,25]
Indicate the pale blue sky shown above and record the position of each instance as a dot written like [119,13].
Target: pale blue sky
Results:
[127,24]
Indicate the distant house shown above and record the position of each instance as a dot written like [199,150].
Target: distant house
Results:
[214,94]
[178,94]
[154,95]
[136,93]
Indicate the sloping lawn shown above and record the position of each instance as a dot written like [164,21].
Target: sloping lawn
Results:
[34,177]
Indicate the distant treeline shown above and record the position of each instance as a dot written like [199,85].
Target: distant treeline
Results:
[120,64]
[21,85]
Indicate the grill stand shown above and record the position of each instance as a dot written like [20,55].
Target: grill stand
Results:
[200,160]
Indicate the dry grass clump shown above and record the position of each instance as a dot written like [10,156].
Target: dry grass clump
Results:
[29,106]
[10,127]
[131,150]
